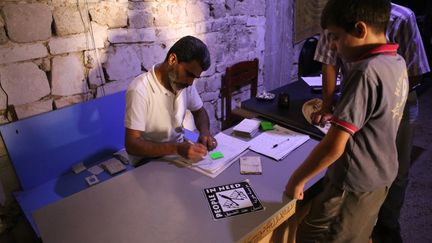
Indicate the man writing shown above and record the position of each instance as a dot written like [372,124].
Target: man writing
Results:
[156,103]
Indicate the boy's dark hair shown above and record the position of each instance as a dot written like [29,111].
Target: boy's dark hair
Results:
[346,13]
[190,48]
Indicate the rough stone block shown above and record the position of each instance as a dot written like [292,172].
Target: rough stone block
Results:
[24,82]
[70,82]
[131,35]
[93,61]
[35,108]
[256,21]
[249,7]
[28,22]
[217,9]
[71,100]
[150,55]
[3,37]
[123,62]
[140,18]
[114,15]
[67,20]
[113,87]
[213,83]
[200,85]
[11,52]
[59,3]
[209,96]
[79,42]
[166,33]
[196,12]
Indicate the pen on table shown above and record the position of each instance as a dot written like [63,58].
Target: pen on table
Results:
[277,144]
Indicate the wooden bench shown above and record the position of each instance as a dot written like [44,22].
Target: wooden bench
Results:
[43,149]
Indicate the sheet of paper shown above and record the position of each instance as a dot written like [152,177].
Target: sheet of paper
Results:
[277,143]
[229,146]
[316,81]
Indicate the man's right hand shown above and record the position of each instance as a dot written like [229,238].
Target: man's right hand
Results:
[191,151]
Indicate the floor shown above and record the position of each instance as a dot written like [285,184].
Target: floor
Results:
[416,215]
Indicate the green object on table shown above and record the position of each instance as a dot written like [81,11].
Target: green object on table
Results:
[266,125]
[216,155]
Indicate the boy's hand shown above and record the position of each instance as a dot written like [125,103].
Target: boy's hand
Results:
[208,140]
[191,151]
[294,189]
[320,117]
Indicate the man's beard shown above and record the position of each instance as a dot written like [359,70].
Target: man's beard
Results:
[172,78]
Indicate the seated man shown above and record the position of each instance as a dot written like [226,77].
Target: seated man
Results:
[156,103]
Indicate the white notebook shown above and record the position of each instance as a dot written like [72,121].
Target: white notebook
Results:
[229,146]
[277,143]
[246,128]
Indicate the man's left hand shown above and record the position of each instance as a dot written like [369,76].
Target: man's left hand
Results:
[208,140]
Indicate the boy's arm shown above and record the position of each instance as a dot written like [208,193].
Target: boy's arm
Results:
[329,75]
[322,156]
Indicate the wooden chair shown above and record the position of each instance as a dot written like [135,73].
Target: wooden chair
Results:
[237,76]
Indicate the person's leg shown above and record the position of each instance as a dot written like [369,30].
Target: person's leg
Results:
[387,227]
[357,216]
[341,216]
[324,209]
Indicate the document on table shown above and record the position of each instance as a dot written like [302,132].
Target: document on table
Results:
[230,147]
[277,143]
[316,81]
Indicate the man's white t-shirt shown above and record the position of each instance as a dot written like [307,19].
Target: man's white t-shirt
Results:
[157,112]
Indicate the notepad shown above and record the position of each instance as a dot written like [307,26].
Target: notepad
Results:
[230,147]
[250,165]
[277,143]
[246,128]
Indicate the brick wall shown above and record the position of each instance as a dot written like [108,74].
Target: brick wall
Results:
[55,53]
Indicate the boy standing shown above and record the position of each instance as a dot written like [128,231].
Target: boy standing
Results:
[359,149]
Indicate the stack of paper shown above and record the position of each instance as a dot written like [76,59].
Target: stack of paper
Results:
[231,148]
[246,128]
[277,143]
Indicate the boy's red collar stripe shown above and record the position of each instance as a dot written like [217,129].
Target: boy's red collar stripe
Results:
[386,49]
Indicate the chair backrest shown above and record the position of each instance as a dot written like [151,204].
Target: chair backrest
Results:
[307,66]
[237,76]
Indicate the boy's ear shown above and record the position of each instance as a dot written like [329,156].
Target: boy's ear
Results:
[360,29]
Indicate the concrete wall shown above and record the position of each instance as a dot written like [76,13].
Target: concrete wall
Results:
[56,53]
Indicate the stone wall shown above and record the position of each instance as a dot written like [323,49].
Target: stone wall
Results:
[56,53]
